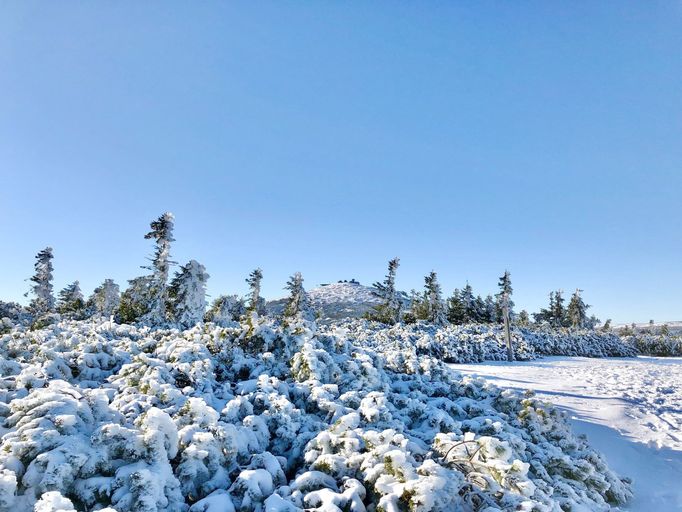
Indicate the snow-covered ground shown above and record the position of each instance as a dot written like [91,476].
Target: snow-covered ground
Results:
[630,410]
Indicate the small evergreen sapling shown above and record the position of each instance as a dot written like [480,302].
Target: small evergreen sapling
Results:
[298,305]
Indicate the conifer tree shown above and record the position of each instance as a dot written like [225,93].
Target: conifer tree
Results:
[577,311]
[43,300]
[187,294]
[456,313]
[469,304]
[256,303]
[557,311]
[162,233]
[418,307]
[70,302]
[298,305]
[504,297]
[105,299]
[524,319]
[390,309]
[490,310]
[607,325]
[479,310]
[433,295]
[135,300]
[225,309]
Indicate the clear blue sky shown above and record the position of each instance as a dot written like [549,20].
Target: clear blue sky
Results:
[327,137]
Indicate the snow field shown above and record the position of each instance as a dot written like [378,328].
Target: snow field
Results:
[630,409]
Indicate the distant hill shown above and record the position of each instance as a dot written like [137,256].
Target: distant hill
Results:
[344,299]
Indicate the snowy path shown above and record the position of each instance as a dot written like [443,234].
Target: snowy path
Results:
[630,410]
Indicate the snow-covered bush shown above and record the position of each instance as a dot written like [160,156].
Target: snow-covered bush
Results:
[268,417]
[661,345]
[477,342]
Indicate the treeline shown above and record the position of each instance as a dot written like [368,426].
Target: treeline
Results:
[155,299]
[464,307]
[159,299]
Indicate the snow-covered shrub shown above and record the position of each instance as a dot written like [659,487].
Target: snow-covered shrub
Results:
[661,345]
[267,417]
[474,343]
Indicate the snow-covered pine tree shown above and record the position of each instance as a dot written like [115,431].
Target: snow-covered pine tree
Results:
[577,311]
[70,302]
[105,299]
[390,309]
[187,294]
[162,233]
[433,295]
[557,310]
[256,303]
[298,305]
[418,307]
[43,300]
[490,310]
[479,310]
[456,313]
[524,319]
[504,297]
[469,304]
[135,300]
[226,309]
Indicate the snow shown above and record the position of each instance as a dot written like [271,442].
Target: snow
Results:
[272,416]
[630,410]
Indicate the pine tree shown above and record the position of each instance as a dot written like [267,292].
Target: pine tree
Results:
[105,299]
[505,305]
[524,319]
[479,310]
[577,311]
[162,233]
[256,304]
[135,300]
[504,297]
[390,309]
[433,295]
[607,325]
[225,309]
[490,310]
[665,330]
[418,307]
[469,304]
[456,313]
[557,311]
[71,303]
[43,300]
[187,294]
[298,305]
